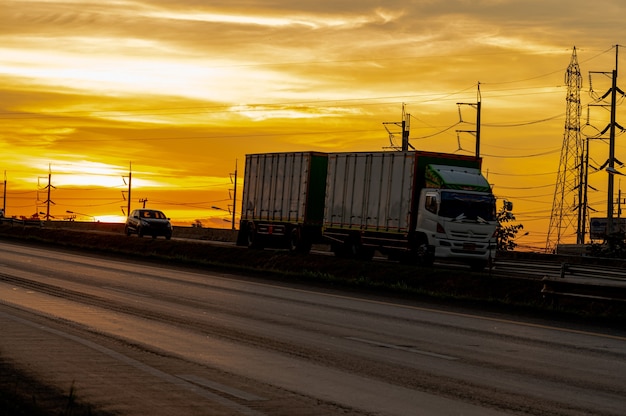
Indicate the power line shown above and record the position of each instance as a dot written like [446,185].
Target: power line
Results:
[523,156]
[521,174]
[526,187]
[527,123]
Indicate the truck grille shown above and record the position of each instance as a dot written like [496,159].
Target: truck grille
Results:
[469,236]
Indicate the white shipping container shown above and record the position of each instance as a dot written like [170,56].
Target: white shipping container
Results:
[370,191]
[276,186]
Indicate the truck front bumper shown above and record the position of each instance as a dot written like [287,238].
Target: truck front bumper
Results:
[465,250]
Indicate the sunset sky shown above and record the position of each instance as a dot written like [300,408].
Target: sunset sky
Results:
[184,89]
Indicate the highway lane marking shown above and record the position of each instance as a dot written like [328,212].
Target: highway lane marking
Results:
[126,292]
[403,348]
[231,391]
[240,409]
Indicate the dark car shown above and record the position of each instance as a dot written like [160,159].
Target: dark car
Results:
[148,222]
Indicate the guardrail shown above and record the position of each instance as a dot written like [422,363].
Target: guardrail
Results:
[583,278]
[585,282]
[544,268]
[553,289]
[23,222]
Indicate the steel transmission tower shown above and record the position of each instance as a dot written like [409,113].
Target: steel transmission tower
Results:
[567,218]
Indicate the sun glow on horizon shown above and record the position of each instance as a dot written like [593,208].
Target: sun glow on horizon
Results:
[110,218]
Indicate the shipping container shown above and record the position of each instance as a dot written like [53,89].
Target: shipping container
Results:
[369,191]
[283,199]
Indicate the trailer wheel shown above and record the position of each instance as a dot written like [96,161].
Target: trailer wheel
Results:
[253,238]
[337,249]
[365,253]
[293,240]
[343,250]
[298,242]
[352,248]
[305,247]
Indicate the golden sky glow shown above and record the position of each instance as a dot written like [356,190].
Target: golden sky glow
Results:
[184,89]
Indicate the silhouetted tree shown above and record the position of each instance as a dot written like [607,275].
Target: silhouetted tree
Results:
[506,232]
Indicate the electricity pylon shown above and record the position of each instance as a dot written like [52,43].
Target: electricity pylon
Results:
[567,215]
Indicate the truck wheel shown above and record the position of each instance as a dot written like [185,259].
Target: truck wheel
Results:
[424,254]
[478,265]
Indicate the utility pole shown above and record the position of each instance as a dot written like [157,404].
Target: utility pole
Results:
[477,105]
[582,193]
[130,177]
[48,200]
[234,194]
[611,168]
[4,195]
[405,126]
[48,189]
[619,204]
[609,165]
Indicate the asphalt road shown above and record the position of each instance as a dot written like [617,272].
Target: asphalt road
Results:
[140,339]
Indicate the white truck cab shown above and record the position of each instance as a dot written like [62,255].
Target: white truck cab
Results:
[457,214]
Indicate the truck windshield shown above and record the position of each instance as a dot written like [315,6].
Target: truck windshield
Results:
[468,206]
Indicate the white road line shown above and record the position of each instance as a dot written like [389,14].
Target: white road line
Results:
[231,391]
[403,348]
